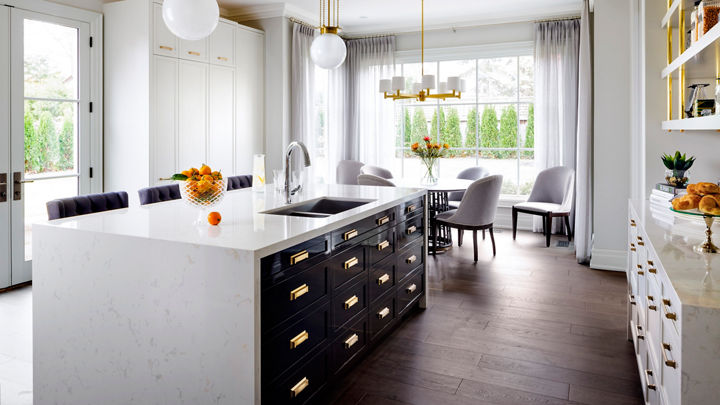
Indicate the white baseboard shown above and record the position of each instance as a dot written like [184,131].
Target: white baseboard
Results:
[608,259]
[503,220]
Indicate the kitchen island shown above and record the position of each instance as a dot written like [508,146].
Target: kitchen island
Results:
[147,306]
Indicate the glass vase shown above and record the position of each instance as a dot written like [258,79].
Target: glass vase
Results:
[431,170]
[677,178]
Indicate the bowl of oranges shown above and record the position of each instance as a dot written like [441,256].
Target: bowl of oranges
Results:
[202,188]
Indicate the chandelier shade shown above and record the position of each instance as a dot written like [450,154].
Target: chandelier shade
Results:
[191,19]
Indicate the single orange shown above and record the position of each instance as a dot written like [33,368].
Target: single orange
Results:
[205,169]
[214,218]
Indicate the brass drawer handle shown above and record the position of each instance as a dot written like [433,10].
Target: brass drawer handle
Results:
[382,245]
[222,58]
[650,262]
[411,259]
[350,342]
[648,374]
[640,272]
[410,208]
[639,331]
[298,257]
[633,224]
[639,238]
[666,348]
[652,270]
[167,48]
[411,289]
[383,313]
[350,234]
[639,266]
[671,315]
[351,301]
[632,300]
[666,301]
[194,53]
[652,307]
[633,249]
[383,279]
[384,220]
[411,230]
[651,298]
[297,340]
[299,292]
[299,387]
[351,262]
[641,243]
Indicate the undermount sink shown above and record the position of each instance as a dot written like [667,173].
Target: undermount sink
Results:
[318,208]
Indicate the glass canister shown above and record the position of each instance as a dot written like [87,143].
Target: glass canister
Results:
[710,12]
[258,183]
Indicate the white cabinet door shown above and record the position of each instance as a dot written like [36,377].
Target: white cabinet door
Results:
[164,41]
[164,118]
[194,50]
[192,114]
[221,116]
[222,44]
[250,125]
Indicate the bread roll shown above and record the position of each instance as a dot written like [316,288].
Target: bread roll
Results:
[703,188]
[710,204]
[686,202]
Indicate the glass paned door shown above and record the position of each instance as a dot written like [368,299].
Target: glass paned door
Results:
[49,122]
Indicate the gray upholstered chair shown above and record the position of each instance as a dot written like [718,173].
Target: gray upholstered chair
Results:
[372,180]
[347,171]
[152,195]
[471,173]
[551,197]
[86,204]
[476,211]
[238,182]
[376,171]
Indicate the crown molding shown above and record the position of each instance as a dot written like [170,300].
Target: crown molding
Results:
[262,11]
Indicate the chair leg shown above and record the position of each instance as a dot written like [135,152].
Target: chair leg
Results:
[460,237]
[569,229]
[514,222]
[548,229]
[475,253]
[492,238]
[435,238]
[483,234]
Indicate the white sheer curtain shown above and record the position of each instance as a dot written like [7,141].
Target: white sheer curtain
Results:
[583,177]
[302,92]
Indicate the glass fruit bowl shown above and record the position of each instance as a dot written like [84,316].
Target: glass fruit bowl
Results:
[203,194]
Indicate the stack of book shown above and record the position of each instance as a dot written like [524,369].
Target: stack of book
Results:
[660,201]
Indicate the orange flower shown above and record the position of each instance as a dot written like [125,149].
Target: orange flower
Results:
[429,145]
[446,146]
[415,146]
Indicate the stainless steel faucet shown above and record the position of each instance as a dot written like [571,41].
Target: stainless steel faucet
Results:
[289,191]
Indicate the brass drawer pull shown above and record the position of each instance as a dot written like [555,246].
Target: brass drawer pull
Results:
[639,331]
[382,245]
[652,270]
[351,262]
[350,234]
[648,374]
[383,279]
[411,230]
[666,302]
[650,262]
[651,298]
[671,315]
[632,300]
[411,289]
[351,301]
[384,220]
[632,249]
[167,48]
[298,257]
[299,292]
[193,53]
[410,208]
[640,272]
[641,243]
[652,307]
[299,387]
[632,222]
[383,313]
[297,340]
[669,363]
[350,342]
[639,238]
[639,266]
[411,259]
[222,58]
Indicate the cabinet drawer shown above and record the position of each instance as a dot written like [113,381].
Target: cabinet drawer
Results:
[287,347]
[381,315]
[164,42]
[287,298]
[288,262]
[382,277]
[653,313]
[349,302]
[670,365]
[194,50]
[354,233]
[409,259]
[670,313]
[380,246]
[346,265]
[412,208]
[303,382]
[410,230]
[351,339]
[222,44]
[411,289]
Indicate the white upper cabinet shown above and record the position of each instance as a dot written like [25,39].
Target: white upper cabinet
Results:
[192,114]
[194,50]
[164,42]
[222,44]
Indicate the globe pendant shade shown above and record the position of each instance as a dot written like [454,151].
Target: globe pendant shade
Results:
[328,51]
[191,19]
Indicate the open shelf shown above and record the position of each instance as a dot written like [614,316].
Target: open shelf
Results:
[697,48]
[698,124]
[671,11]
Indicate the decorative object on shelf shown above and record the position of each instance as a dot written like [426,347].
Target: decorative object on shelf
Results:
[704,107]
[717,96]
[697,92]
[202,188]
[677,165]
[258,183]
[393,88]
[702,201]
[429,154]
[328,50]
[191,19]
[708,12]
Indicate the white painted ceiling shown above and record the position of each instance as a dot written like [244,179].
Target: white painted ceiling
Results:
[364,16]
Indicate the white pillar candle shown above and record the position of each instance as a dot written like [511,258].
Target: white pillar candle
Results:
[453,83]
[442,87]
[428,81]
[385,85]
[398,83]
[462,85]
[417,87]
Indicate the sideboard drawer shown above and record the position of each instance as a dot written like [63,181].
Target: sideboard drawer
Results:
[412,208]
[349,302]
[410,290]
[410,230]
[346,265]
[653,306]
[382,277]
[287,262]
[671,361]
[351,339]
[302,383]
[352,234]
[287,298]
[382,314]
[409,259]
[380,246]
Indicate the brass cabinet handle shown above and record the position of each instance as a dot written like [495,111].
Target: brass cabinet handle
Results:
[666,348]
[632,300]
[652,307]
[411,230]
[651,298]
[222,58]
[383,313]
[640,272]
[297,340]
[410,208]
[411,289]
[650,262]
[384,220]
[351,262]
[641,243]
[639,238]
[632,249]
[167,48]
[639,331]
[648,374]
[382,245]
[299,387]
[639,266]
[652,270]
[351,301]
[383,279]
[194,53]
[349,342]
[671,315]
[299,292]
[666,302]
[411,259]
[298,257]
[632,222]
[350,234]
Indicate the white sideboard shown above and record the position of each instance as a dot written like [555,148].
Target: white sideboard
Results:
[171,104]
[673,309]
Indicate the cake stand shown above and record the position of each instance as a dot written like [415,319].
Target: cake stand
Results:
[707,246]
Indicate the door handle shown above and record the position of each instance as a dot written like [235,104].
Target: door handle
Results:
[17,185]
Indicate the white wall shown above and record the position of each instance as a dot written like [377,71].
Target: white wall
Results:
[467,36]
[92,5]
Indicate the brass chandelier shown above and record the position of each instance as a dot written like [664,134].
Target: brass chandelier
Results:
[421,91]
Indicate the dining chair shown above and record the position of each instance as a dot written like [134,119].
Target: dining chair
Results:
[372,180]
[551,197]
[86,204]
[471,173]
[347,171]
[376,171]
[476,211]
[152,195]
[238,182]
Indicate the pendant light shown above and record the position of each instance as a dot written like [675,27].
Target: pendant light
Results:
[191,19]
[328,50]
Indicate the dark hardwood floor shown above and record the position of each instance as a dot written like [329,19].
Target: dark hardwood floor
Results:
[530,326]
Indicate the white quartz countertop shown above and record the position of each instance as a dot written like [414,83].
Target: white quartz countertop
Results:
[242,226]
[694,276]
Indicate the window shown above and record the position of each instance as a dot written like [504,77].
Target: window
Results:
[492,125]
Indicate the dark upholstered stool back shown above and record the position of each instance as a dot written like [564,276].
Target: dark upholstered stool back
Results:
[238,182]
[86,204]
[151,195]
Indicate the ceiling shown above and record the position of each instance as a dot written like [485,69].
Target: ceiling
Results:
[363,16]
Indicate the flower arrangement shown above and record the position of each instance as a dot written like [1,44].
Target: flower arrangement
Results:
[429,154]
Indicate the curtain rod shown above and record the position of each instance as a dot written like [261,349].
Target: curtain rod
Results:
[577,17]
[301,22]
